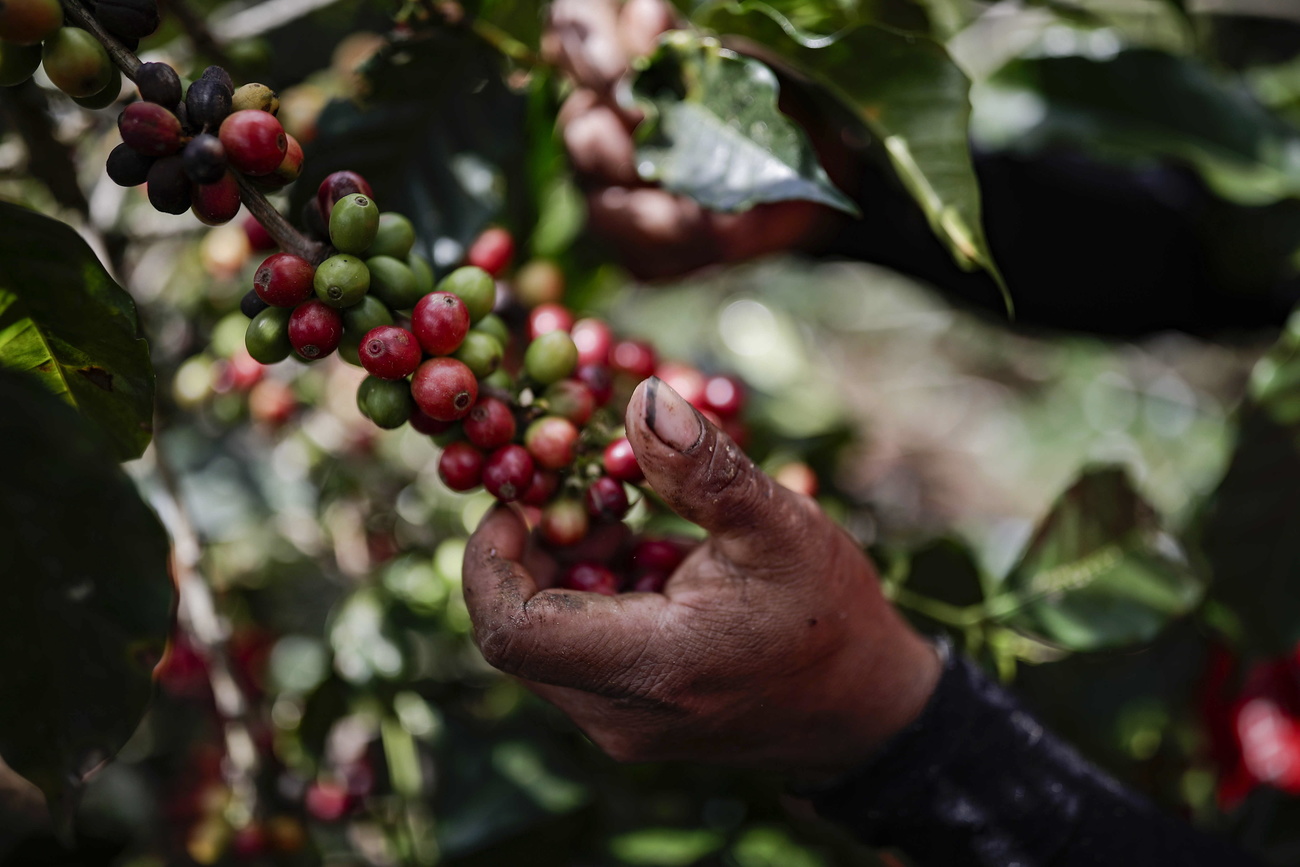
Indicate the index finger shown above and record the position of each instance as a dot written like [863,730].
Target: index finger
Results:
[602,644]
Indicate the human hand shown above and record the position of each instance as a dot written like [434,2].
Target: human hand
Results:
[771,646]
[657,234]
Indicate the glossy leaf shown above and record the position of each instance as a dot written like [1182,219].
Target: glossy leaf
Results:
[88,596]
[713,131]
[1100,571]
[64,320]
[909,97]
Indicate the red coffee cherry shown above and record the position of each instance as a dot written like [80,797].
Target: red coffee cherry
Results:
[389,352]
[445,389]
[217,203]
[598,380]
[148,128]
[490,424]
[636,358]
[606,499]
[570,399]
[551,440]
[508,473]
[590,578]
[338,185]
[427,425]
[492,251]
[594,340]
[254,140]
[564,522]
[620,461]
[284,280]
[315,329]
[685,380]
[546,318]
[258,238]
[461,467]
[650,582]
[725,395]
[440,321]
[657,555]
[544,485]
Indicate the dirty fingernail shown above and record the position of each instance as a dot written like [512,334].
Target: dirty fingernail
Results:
[671,418]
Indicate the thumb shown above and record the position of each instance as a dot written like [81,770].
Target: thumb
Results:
[705,477]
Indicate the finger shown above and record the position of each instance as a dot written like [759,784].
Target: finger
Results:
[562,637]
[582,38]
[640,22]
[703,476]
[599,144]
[659,234]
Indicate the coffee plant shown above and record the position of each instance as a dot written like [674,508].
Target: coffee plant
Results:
[291,294]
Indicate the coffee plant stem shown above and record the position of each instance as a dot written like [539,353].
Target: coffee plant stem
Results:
[122,57]
[942,612]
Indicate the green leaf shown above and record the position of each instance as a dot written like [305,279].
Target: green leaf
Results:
[1100,571]
[88,595]
[64,320]
[713,131]
[1138,106]
[909,97]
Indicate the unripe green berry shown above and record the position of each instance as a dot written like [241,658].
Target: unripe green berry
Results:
[494,325]
[475,287]
[350,349]
[342,280]
[105,97]
[500,379]
[267,338]
[18,63]
[386,402]
[396,236]
[423,271]
[354,223]
[551,357]
[76,62]
[481,353]
[366,314]
[392,281]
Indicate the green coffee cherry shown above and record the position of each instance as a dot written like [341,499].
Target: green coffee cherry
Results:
[501,379]
[366,314]
[76,62]
[393,282]
[267,337]
[396,237]
[475,287]
[18,63]
[481,353]
[353,223]
[350,350]
[386,402]
[423,271]
[105,97]
[494,325]
[551,357]
[342,280]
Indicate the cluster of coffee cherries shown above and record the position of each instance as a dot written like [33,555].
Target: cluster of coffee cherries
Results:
[187,144]
[32,33]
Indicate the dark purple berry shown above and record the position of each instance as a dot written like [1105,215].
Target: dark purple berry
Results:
[159,84]
[208,102]
[252,304]
[127,167]
[204,159]
[168,186]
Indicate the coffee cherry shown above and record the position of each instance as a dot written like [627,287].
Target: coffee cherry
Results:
[128,19]
[167,185]
[444,388]
[159,84]
[590,578]
[606,499]
[338,185]
[395,237]
[620,461]
[482,353]
[217,73]
[208,103]
[490,424]
[289,169]
[636,358]
[127,167]
[440,322]
[386,402]
[570,399]
[252,304]
[461,467]
[475,287]
[657,555]
[254,140]
[393,281]
[390,352]
[150,129]
[427,425]
[341,280]
[29,22]
[217,203]
[594,339]
[366,315]
[353,223]
[539,282]
[551,440]
[564,522]
[491,251]
[105,97]
[258,238]
[494,325]
[542,488]
[551,357]
[724,395]
[284,280]
[507,473]
[315,330]
[598,380]
[685,380]
[267,337]
[548,318]
[204,159]
[255,97]
[423,271]
[18,62]
[76,62]
[650,582]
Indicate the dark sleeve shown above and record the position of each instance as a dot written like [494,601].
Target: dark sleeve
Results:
[977,780]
